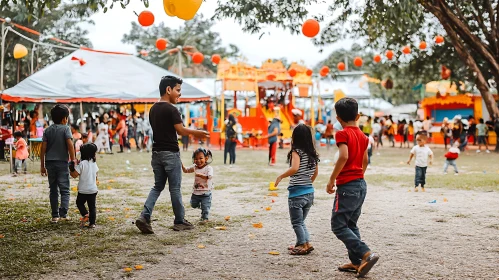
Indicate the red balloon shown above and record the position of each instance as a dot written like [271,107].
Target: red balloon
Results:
[292,72]
[341,66]
[197,58]
[406,50]
[357,61]
[377,58]
[422,45]
[309,72]
[389,54]
[439,39]
[215,58]
[146,18]
[323,73]
[325,69]
[310,28]
[161,44]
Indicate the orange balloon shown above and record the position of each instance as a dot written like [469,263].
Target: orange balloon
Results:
[310,28]
[309,72]
[197,58]
[422,45]
[389,54]
[292,72]
[161,44]
[357,61]
[439,39]
[146,18]
[325,69]
[215,58]
[377,58]
[341,66]
[406,50]
[323,73]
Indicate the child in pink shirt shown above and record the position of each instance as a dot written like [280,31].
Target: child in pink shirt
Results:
[21,153]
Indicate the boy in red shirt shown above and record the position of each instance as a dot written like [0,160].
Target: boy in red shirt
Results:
[347,180]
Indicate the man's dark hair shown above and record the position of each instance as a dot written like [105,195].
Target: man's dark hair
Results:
[59,112]
[347,109]
[168,81]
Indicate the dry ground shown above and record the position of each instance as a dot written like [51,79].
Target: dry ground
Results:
[456,239]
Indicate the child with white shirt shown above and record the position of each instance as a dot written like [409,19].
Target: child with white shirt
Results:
[87,186]
[422,153]
[203,186]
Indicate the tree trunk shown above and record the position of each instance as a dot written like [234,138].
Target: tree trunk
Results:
[480,81]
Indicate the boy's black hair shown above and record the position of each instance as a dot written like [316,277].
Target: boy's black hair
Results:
[347,109]
[302,140]
[75,127]
[481,120]
[88,152]
[168,81]
[18,134]
[59,112]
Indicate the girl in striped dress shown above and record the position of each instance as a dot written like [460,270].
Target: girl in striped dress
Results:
[303,160]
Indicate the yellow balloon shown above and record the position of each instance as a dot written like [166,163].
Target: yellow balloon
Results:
[20,51]
[183,9]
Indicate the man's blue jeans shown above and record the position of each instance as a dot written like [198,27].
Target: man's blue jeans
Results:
[58,175]
[299,207]
[346,212]
[166,166]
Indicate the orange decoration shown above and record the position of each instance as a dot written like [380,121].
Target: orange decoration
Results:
[271,77]
[406,50]
[227,218]
[161,44]
[310,28]
[357,61]
[292,72]
[439,39]
[389,54]
[309,72]
[325,69]
[323,73]
[258,225]
[215,59]
[377,58]
[197,58]
[341,66]
[138,267]
[146,18]
[422,45]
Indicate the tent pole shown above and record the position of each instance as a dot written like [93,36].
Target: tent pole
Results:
[82,124]
[312,113]
[4,35]
[32,57]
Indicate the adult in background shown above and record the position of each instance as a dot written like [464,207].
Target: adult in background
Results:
[418,126]
[139,127]
[166,122]
[377,130]
[274,130]
[446,131]
[297,118]
[122,130]
[472,128]
[230,140]
[102,140]
[328,134]
[496,130]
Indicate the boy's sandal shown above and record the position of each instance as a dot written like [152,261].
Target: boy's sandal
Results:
[299,251]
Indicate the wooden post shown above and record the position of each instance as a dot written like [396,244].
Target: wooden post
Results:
[82,124]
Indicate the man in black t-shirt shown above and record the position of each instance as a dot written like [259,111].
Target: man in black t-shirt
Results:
[166,122]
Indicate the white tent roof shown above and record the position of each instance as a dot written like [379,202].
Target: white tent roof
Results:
[105,77]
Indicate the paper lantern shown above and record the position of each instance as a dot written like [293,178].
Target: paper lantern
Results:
[406,50]
[292,72]
[215,59]
[439,39]
[310,28]
[161,44]
[325,69]
[389,54]
[323,73]
[422,45]
[146,18]
[377,58]
[309,72]
[357,61]
[20,51]
[183,9]
[197,58]
[341,66]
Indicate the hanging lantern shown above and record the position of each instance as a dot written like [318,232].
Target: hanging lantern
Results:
[271,77]
[292,72]
[357,61]
[197,58]
[310,28]
[161,44]
[389,54]
[325,69]
[323,73]
[182,9]
[439,39]
[377,58]
[422,45]
[215,59]
[309,72]
[406,50]
[146,18]
[341,66]
[144,53]
[20,51]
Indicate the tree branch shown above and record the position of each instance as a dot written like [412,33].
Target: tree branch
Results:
[493,25]
[479,18]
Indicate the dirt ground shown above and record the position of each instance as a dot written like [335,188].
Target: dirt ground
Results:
[454,238]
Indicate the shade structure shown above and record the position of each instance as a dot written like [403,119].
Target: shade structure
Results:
[103,78]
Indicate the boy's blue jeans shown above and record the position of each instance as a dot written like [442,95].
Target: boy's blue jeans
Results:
[346,212]
[166,167]
[299,207]
[58,175]
[420,178]
[202,201]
